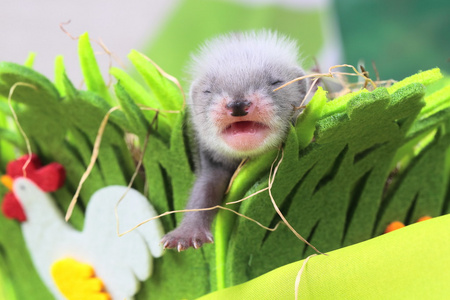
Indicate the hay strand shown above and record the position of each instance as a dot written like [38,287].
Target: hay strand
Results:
[16,121]
[93,159]
[299,274]
[272,174]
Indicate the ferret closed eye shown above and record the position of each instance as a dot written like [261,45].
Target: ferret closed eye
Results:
[235,115]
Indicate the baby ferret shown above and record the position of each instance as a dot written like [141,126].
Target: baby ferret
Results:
[235,114]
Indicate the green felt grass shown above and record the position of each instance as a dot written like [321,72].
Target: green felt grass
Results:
[350,167]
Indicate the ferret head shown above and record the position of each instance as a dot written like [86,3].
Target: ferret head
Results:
[234,108]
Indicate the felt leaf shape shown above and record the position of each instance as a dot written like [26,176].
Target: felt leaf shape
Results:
[167,94]
[30,60]
[132,112]
[89,67]
[120,262]
[437,101]
[59,75]
[425,78]
[141,96]
[307,120]
[44,91]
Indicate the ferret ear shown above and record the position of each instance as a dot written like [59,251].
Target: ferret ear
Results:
[304,83]
[193,89]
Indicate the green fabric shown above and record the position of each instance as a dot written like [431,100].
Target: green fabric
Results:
[410,263]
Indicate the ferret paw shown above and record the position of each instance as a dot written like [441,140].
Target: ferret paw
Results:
[182,239]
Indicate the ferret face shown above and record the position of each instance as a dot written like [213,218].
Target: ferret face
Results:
[234,109]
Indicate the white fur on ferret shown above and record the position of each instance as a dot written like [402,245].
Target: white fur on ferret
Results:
[244,66]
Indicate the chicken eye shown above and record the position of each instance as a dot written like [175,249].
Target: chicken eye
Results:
[207,92]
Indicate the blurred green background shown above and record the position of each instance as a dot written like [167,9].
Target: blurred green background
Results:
[400,36]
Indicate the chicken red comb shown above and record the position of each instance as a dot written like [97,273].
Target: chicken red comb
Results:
[49,178]
[15,167]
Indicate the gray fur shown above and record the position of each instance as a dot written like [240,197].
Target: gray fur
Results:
[232,67]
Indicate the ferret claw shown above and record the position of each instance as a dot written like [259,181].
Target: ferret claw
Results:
[197,245]
[182,240]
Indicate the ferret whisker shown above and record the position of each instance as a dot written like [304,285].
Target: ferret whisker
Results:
[200,113]
[196,105]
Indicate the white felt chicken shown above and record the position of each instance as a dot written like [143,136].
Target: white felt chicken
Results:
[91,264]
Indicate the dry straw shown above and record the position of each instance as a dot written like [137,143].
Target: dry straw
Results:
[138,166]
[332,74]
[16,120]
[112,56]
[95,152]
[299,274]
[272,174]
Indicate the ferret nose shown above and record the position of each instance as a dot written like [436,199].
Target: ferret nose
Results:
[239,108]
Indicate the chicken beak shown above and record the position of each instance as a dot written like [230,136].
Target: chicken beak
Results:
[7,181]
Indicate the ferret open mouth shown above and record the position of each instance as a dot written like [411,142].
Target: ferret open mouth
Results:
[245,135]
